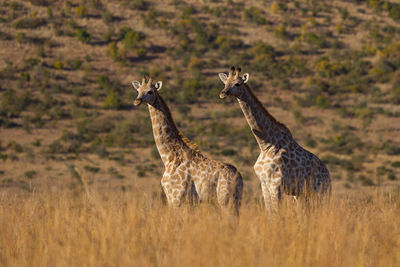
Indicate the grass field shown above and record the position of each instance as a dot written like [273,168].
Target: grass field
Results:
[57,229]
[328,70]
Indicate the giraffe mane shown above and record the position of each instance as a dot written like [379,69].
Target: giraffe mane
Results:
[189,143]
[280,124]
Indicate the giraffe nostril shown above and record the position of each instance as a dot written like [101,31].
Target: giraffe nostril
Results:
[137,102]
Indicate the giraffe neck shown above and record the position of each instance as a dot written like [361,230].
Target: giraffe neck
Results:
[167,137]
[266,129]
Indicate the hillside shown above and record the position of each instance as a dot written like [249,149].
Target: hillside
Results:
[329,70]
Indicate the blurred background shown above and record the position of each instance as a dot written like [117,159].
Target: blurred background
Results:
[329,70]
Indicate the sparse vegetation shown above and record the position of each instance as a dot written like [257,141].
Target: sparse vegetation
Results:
[344,231]
[328,70]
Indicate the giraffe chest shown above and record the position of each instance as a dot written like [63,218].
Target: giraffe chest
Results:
[268,165]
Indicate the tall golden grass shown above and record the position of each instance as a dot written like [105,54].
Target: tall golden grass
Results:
[57,229]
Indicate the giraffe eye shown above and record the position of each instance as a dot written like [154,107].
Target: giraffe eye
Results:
[150,92]
[237,84]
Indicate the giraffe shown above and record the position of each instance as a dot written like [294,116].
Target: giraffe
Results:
[283,166]
[189,175]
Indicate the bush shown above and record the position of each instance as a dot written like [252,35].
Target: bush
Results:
[91,169]
[12,104]
[223,43]
[255,15]
[391,177]
[322,102]
[313,39]
[20,37]
[344,143]
[396,164]
[83,35]
[39,2]
[228,152]
[391,148]
[394,11]
[30,174]
[116,53]
[113,101]
[29,23]
[365,181]
[281,32]
[58,65]
[132,39]
[5,36]
[81,11]
[136,4]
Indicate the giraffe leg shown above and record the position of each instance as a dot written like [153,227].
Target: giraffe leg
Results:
[272,195]
[175,193]
[223,192]
[229,193]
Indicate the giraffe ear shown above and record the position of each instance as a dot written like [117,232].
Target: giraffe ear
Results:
[223,77]
[136,85]
[158,85]
[245,77]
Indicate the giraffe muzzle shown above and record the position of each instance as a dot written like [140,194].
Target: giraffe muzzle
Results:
[223,94]
[137,102]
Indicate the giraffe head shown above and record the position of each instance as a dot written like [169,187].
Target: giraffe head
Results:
[147,91]
[234,84]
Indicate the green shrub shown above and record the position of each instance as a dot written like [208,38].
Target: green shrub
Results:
[83,35]
[255,15]
[30,174]
[113,101]
[391,177]
[391,148]
[25,76]
[20,37]
[344,14]
[39,2]
[107,17]
[281,32]
[344,143]
[313,39]
[395,92]
[58,65]
[132,39]
[375,4]
[122,134]
[228,152]
[116,53]
[225,44]
[81,11]
[91,169]
[5,36]
[365,181]
[49,12]
[77,63]
[29,23]
[298,115]
[322,102]
[115,173]
[396,164]
[310,141]
[100,150]
[136,4]
[12,104]
[394,11]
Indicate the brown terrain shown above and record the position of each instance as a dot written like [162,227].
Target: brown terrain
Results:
[329,71]
[79,170]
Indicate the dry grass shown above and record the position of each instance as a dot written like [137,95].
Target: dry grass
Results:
[137,230]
